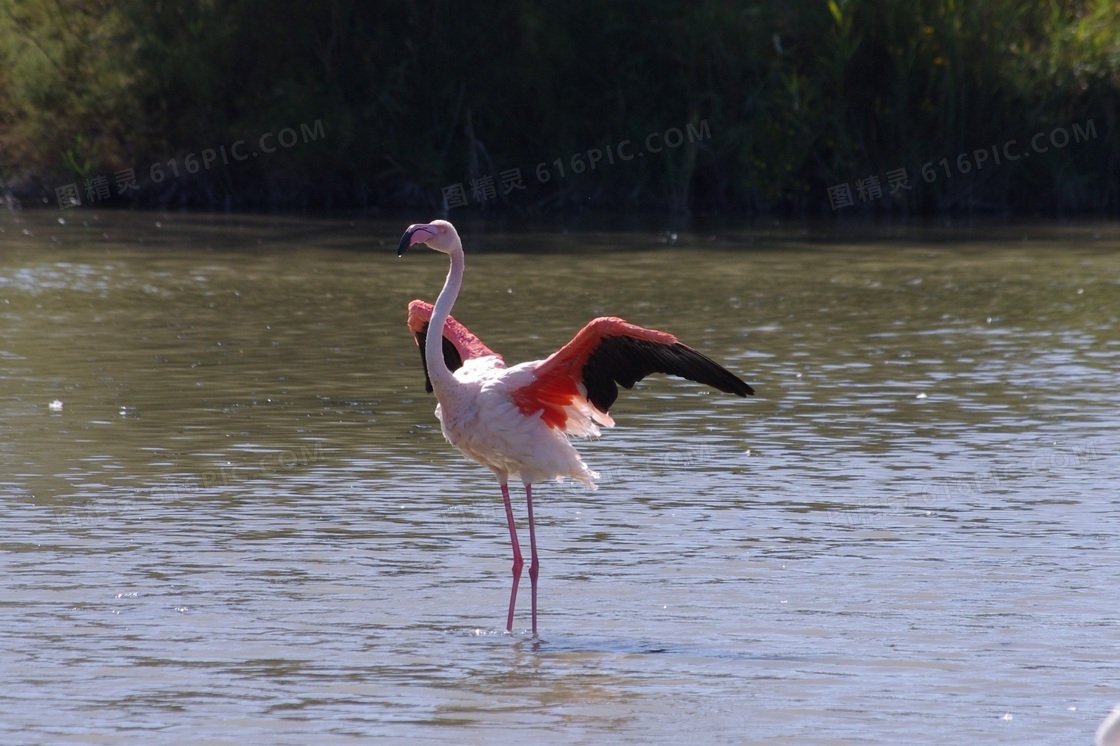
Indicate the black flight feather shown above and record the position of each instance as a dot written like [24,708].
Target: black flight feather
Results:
[451,356]
[626,360]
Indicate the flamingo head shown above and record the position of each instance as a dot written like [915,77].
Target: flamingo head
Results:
[439,235]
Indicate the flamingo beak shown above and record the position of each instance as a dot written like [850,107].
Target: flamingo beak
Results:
[410,237]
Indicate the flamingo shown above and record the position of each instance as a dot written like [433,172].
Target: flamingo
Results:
[517,421]
[1108,732]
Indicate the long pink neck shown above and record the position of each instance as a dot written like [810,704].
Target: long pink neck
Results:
[439,374]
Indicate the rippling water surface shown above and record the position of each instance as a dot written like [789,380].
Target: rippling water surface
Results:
[239,523]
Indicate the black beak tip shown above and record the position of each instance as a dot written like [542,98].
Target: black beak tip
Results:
[404,243]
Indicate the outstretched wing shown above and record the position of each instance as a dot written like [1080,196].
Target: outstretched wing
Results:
[459,344]
[608,353]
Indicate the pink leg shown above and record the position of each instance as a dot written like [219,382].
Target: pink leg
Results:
[517,561]
[534,563]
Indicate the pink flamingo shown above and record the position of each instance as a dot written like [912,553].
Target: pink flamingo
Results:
[516,421]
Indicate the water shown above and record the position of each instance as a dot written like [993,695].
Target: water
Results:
[243,525]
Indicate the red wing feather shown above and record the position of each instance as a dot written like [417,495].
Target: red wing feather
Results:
[610,352]
[459,344]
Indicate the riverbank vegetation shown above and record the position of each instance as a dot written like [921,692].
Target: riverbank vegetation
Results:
[825,107]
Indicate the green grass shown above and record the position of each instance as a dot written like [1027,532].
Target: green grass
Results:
[415,97]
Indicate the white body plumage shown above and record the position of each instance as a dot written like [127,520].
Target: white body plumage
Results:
[481,419]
